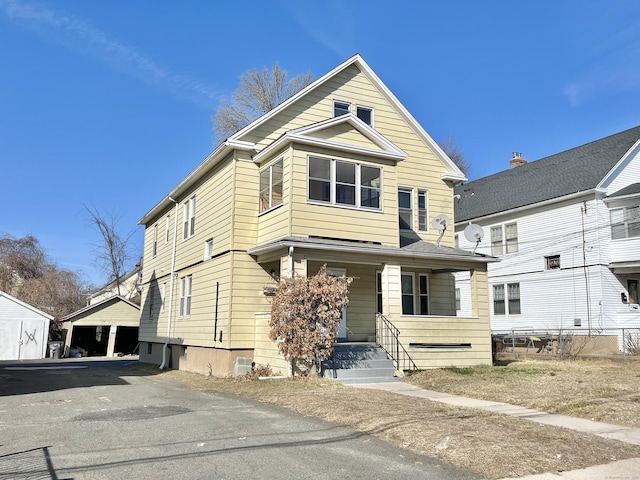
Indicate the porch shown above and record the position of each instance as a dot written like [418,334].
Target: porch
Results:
[408,295]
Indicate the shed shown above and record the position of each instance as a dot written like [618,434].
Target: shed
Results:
[24,330]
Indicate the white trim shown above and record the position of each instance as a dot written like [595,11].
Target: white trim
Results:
[388,150]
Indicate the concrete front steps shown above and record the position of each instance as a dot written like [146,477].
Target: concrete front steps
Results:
[355,363]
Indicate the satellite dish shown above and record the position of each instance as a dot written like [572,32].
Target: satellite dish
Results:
[474,233]
[441,222]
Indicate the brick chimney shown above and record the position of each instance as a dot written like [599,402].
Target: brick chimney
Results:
[517,160]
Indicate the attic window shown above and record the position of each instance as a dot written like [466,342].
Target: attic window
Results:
[341,108]
[365,114]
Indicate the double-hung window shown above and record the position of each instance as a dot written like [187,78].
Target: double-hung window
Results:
[510,239]
[185,296]
[511,300]
[271,186]
[423,294]
[423,212]
[189,218]
[408,303]
[344,183]
[155,239]
[405,210]
[625,222]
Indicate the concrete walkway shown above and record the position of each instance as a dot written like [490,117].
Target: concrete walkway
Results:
[623,470]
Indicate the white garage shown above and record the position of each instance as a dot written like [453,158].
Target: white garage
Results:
[24,330]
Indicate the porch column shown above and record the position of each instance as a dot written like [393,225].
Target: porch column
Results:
[479,282]
[391,291]
[293,264]
[111,342]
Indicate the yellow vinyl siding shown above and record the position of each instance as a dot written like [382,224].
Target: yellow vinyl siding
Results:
[266,350]
[345,133]
[446,330]
[308,219]
[247,297]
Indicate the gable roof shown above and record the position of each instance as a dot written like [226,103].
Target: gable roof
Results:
[235,141]
[579,169]
[115,298]
[26,305]
[305,135]
[628,191]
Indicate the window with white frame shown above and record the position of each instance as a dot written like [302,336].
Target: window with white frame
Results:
[510,239]
[423,213]
[405,210]
[498,300]
[185,296]
[423,294]
[625,222]
[365,114]
[343,183]
[208,249]
[408,302]
[458,304]
[189,218]
[271,186]
[155,239]
[341,108]
[167,227]
[552,262]
[509,303]
[634,292]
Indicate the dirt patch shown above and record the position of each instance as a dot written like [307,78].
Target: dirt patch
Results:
[495,446]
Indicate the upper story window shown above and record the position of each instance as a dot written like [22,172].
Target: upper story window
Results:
[344,183]
[155,239]
[271,186]
[341,108]
[625,222]
[552,262]
[405,210]
[189,218]
[208,249]
[167,228]
[363,113]
[423,211]
[510,239]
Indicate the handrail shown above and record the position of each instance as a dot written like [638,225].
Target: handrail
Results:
[388,338]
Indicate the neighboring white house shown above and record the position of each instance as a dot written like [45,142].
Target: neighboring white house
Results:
[567,228]
[24,330]
[129,288]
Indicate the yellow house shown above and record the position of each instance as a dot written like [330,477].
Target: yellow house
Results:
[339,174]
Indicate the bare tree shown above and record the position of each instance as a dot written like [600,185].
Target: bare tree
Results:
[258,92]
[112,254]
[452,148]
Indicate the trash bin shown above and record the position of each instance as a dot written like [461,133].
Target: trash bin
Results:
[54,349]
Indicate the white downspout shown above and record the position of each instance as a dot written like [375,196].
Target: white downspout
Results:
[290,262]
[173,266]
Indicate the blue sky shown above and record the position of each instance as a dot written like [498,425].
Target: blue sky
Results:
[108,103]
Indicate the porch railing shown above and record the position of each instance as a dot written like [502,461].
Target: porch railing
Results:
[388,337]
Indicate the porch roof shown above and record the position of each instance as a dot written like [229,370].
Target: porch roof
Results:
[417,249]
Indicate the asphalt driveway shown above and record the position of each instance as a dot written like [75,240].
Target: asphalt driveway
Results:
[100,419]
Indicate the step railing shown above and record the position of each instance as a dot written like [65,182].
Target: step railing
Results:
[388,338]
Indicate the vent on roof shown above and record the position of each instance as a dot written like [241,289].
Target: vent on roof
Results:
[517,160]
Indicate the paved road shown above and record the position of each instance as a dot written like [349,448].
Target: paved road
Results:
[79,419]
